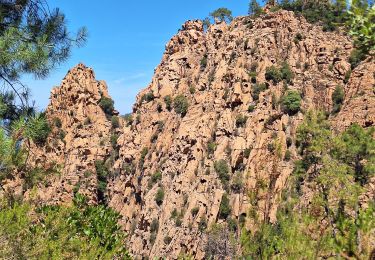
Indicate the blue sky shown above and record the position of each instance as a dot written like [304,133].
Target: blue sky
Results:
[126,41]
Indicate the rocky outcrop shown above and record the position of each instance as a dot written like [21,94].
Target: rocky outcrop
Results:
[176,165]
[215,70]
[80,136]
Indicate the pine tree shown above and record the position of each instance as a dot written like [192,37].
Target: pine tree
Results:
[254,8]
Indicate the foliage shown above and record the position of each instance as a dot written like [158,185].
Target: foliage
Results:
[180,105]
[338,99]
[115,122]
[211,147]
[168,102]
[222,14]
[114,138]
[257,89]
[224,209]
[276,75]
[148,97]
[328,14]
[144,152]
[106,104]
[251,108]
[157,176]
[79,231]
[291,102]
[222,169]
[362,28]
[37,129]
[332,224]
[102,173]
[159,197]
[356,56]
[254,8]
[241,120]
[194,211]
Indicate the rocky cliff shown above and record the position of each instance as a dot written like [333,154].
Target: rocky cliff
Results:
[208,130]
[81,132]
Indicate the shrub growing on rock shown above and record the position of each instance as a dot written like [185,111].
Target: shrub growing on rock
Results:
[159,197]
[291,102]
[115,121]
[241,120]
[338,99]
[222,169]
[106,104]
[274,74]
[168,102]
[225,209]
[257,89]
[180,105]
[148,97]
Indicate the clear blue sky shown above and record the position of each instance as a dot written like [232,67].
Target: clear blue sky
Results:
[126,41]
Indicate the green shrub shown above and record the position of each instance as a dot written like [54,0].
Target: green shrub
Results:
[288,155]
[222,169]
[148,97]
[154,227]
[37,129]
[115,121]
[192,90]
[144,152]
[156,177]
[225,209]
[114,138]
[277,75]
[251,108]
[338,99]
[291,102]
[286,72]
[211,147]
[167,240]
[159,197]
[202,225]
[241,120]
[180,105]
[204,62]
[168,102]
[246,152]
[356,56]
[274,74]
[194,211]
[106,104]
[57,122]
[77,231]
[257,89]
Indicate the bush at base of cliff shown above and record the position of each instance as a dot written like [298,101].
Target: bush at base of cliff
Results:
[79,231]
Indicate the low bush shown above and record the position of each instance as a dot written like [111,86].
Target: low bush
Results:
[256,89]
[180,105]
[115,122]
[159,196]
[241,120]
[291,102]
[337,99]
[224,209]
[107,105]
